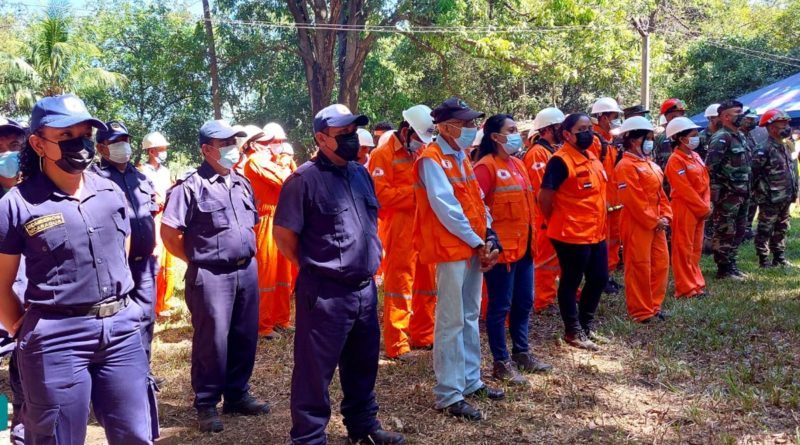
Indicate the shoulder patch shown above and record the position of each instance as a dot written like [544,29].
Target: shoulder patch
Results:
[622,185]
[377,172]
[503,174]
[446,163]
[682,172]
[539,165]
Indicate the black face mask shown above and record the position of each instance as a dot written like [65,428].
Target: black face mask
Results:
[584,140]
[76,154]
[737,121]
[347,146]
[785,132]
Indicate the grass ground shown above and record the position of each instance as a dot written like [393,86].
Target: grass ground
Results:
[722,370]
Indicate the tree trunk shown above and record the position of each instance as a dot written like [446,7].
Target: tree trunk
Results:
[212,60]
[353,50]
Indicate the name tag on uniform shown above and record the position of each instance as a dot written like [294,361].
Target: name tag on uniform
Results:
[587,185]
[42,223]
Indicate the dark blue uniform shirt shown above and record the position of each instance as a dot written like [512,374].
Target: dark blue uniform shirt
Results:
[74,249]
[217,220]
[141,197]
[334,212]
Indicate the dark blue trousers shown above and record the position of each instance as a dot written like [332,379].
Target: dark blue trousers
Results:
[336,326]
[510,290]
[144,273]
[223,302]
[66,362]
[17,433]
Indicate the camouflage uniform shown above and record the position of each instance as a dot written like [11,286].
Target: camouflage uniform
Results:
[705,139]
[752,146]
[775,185]
[702,150]
[662,150]
[728,164]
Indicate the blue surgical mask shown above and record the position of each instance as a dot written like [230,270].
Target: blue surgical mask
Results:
[694,141]
[9,164]
[467,137]
[229,156]
[513,143]
[647,147]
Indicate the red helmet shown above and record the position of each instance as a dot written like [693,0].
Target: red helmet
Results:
[773,115]
[673,104]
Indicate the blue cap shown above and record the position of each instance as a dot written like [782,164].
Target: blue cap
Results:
[218,129]
[9,123]
[61,112]
[337,116]
[113,131]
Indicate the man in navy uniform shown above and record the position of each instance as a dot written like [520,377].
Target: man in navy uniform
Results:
[326,223]
[114,146]
[208,222]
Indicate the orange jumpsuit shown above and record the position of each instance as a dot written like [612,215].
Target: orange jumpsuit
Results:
[165,280]
[545,262]
[409,298]
[614,240]
[639,182]
[691,202]
[275,273]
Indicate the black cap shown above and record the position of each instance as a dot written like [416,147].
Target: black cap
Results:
[728,104]
[454,108]
[636,110]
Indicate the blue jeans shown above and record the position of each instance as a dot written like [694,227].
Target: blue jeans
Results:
[510,288]
[456,340]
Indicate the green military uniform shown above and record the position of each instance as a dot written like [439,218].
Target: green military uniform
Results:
[752,146]
[702,150]
[728,164]
[661,152]
[775,183]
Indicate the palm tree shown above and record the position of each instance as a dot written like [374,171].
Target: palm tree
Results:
[56,62]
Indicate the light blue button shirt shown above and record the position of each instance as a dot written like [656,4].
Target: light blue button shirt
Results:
[443,200]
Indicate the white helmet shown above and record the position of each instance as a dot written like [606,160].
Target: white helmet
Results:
[606,105]
[274,131]
[365,138]
[154,139]
[711,111]
[287,149]
[680,124]
[662,120]
[478,138]
[252,131]
[385,137]
[547,117]
[419,117]
[633,123]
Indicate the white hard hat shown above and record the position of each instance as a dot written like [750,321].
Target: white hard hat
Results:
[274,131]
[547,117]
[478,138]
[154,139]
[680,124]
[252,131]
[385,137]
[633,123]
[419,117]
[286,148]
[606,105]
[711,111]
[365,138]
[662,120]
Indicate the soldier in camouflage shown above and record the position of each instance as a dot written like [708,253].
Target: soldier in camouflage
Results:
[748,124]
[728,164]
[712,116]
[670,109]
[775,185]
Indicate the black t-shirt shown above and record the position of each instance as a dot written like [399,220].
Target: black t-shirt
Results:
[555,173]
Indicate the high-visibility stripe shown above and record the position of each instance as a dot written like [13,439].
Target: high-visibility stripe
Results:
[431,293]
[397,295]
[267,289]
[508,188]
[283,284]
[402,161]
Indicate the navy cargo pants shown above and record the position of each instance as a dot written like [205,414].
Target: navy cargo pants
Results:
[144,271]
[223,301]
[66,362]
[336,325]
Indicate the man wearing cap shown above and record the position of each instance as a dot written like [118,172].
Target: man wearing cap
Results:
[115,149]
[636,110]
[451,230]
[156,145]
[209,222]
[409,290]
[776,187]
[711,114]
[12,139]
[728,165]
[326,224]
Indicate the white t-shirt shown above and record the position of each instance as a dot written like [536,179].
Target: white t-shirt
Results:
[160,178]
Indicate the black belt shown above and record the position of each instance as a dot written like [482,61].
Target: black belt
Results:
[99,310]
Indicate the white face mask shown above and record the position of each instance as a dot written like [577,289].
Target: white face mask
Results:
[119,152]
[229,156]
[694,141]
[647,147]
[616,123]
[161,157]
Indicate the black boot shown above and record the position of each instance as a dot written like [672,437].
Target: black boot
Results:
[780,260]
[379,437]
[764,262]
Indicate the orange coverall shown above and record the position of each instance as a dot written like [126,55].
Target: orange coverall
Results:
[276,274]
[545,262]
[691,203]
[409,298]
[614,240]
[639,182]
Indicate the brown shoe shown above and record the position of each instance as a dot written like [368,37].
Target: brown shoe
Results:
[506,371]
[527,362]
[581,341]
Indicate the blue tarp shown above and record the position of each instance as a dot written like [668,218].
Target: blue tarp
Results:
[784,94]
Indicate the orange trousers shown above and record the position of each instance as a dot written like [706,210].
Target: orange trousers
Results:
[646,269]
[614,240]
[409,289]
[546,271]
[165,280]
[275,280]
[687,247]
